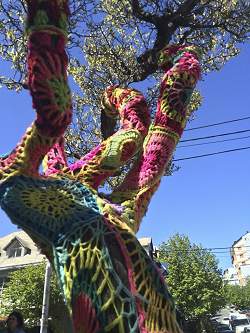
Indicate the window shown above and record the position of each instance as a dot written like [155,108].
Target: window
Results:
[15,252]
[15,248]
[2,281]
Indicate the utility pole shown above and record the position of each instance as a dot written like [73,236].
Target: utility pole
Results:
[46,293]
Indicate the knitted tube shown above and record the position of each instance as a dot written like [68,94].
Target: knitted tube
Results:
[47,81]
[104,160]
[47,14]
[108,280]
[182,72]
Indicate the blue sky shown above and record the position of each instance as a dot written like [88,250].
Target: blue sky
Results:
[208,198]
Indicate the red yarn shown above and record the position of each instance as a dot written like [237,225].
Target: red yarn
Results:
[84,315]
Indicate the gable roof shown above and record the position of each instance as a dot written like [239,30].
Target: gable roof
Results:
[235,242]
[20,240]
[145,241]
[34,257]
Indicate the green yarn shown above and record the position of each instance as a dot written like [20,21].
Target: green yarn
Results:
[112,155]
[41,18]
[61,93]
[63,22]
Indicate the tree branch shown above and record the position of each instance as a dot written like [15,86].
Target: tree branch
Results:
[140,14]
[165,26]
[186,8]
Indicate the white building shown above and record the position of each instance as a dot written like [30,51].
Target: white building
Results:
[147,244]
[230,276]
[240,254]
[17,250]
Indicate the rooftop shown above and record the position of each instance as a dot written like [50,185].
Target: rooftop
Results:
[145,241]
[235,242]
[34,257]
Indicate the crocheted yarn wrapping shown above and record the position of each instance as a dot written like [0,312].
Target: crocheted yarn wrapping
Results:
[109,282]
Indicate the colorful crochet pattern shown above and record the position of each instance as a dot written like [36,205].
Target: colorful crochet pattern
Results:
[109,282]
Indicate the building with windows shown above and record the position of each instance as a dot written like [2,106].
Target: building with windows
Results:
[240,254]
[230,276]
[17,250]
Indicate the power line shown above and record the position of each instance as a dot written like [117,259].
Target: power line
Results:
[199,249]
[220,252]
[217,251]
[211,154]
[215,136]
[215,248]
[217,124]
[211,142]
[228,247]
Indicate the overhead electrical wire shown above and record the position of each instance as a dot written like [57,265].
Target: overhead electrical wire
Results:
[220,251]
[228,247]
[218,248]
[217,124]
[210,154]
[215,136]
[212,142]
[215,250]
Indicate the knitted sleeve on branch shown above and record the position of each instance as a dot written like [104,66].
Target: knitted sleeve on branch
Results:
[47,14]
[182,70]
[47,81]
[55,160]
[104,160]
[47,66]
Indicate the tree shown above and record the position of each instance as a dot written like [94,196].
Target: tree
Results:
[238,295]
[24,291]
[193,277]
[129,34]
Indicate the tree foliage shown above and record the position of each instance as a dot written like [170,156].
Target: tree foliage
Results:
[238,295]
[24,292]
[117,41]
[193,277]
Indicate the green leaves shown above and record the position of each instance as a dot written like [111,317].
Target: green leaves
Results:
[238,295]
[24,292]
[193,277]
